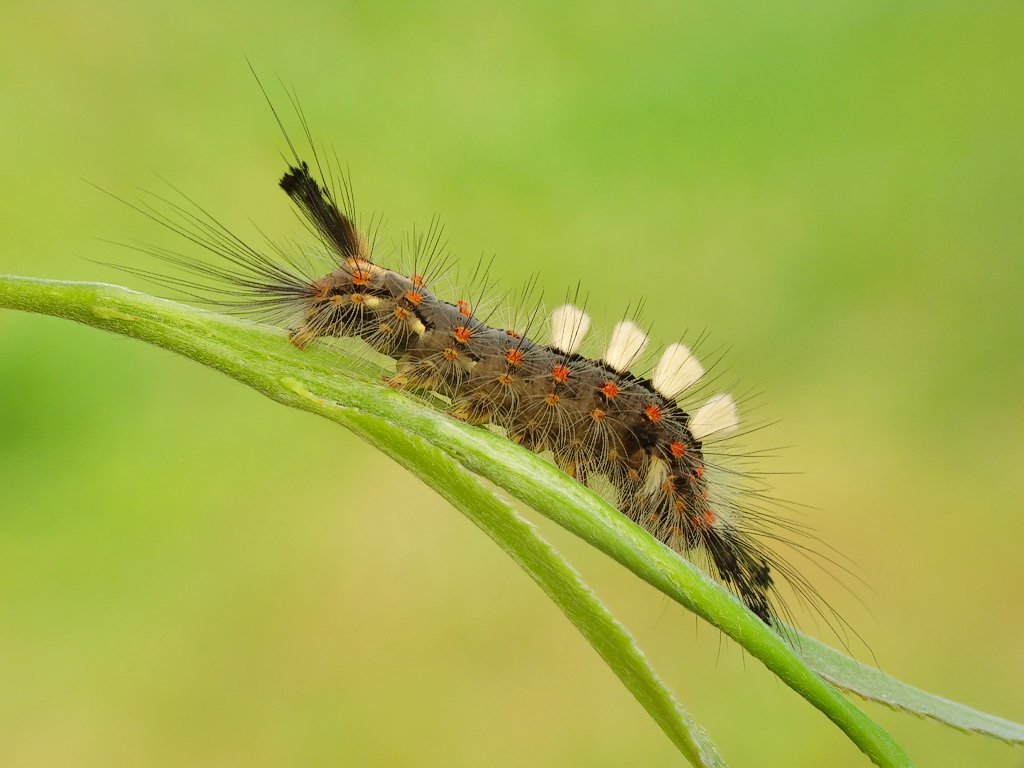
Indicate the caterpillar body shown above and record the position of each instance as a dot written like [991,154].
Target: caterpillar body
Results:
[591,414]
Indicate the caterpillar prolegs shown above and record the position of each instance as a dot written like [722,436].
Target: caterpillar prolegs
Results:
[591,414]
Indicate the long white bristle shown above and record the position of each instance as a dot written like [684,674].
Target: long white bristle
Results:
[569,325]
[625,346]
[716,417]
[677,370]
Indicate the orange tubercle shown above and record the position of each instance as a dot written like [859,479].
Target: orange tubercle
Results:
[560,374]
[610,390]
[653,413]
[513,356]
[678,449]
[705,520]
[463,334]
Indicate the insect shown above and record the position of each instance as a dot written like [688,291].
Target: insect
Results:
[597,419]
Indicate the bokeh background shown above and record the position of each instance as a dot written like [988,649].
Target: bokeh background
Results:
[193,575]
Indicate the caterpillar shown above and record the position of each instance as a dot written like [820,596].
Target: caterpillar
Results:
[601,422]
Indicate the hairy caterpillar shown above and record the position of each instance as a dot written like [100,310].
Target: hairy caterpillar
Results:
[595,417]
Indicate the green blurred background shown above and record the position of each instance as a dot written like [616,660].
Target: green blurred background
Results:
[192,575]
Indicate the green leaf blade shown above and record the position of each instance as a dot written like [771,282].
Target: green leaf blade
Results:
[874,685]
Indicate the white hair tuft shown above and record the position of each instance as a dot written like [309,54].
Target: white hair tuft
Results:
[569,325]
[717,416]
[625,346]
[677,371]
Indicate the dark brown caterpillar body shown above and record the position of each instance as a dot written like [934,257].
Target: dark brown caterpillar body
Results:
[592,415]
